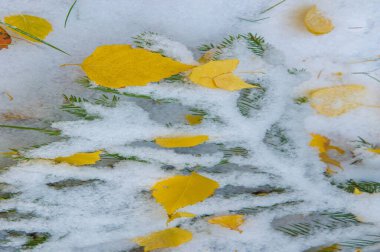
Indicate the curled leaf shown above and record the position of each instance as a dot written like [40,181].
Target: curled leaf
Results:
[218,74]
[37,26]
[80,158]
[232,222]
[316,23]
[183,190]
[168,238]
[193,119]
[118,66]
[337,100]
[181,142]
[5,39]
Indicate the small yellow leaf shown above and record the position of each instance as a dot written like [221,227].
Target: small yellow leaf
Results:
[181,142]
[183,190]
[80,158]
[36,26]
[180,215]
[168,238]
[231,82]
[377,151]
[207,56]
[316,23]
[357,191]
[334,101]
[328,160]
[332,248]
[204,74]
[320,142]
[330,171]
[118,66]
[193,119]
[232,222]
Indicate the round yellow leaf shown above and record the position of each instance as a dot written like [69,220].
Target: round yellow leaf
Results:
[316,23]
[181,141]
[334,101]
[118,66]
[168,238]
[193,119]
[36,26]
[183,190]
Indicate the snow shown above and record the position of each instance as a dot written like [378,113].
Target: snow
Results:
[106,213]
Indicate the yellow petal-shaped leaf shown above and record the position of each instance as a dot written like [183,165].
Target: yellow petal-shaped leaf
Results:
[337,100]
[181,141]
[316,23]
[232,222]
[168,238]
[231,82]
[80,158]
[36,26]
[193,119]
[204,74]
[180,215]
[183,190]
[118,66]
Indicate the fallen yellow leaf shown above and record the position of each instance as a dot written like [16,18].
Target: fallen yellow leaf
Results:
[181,142]
[180,215]
[168,238]
[232,222]
[328,160]
[218,74]
[320,142]
[36,26]
[193,119]
[377,151]
[183,190]
[80,158]
[316,23]
[337,100]
[357,191]
[118,66]
[231,82]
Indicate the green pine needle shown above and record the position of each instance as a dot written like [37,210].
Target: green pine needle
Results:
[46,131]
[68,13]
[32,36]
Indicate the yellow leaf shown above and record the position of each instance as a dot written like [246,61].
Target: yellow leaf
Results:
[180,215]
[232,222]
[357,191]
[213,73]
[193,119]
[332,248]
[181,142]
[183,190]
[168,238]
[80,158]
[231,82]
[334,101]
[377,151]
[36,26]
[328,160]
[207,56]
[118,66]
[320,142]
[330,171]
[316,23]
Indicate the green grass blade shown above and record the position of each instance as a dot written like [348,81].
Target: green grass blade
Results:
[68,13]
[32,36]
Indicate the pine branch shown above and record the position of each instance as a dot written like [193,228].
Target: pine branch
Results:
[250,99]
[42,130]
[364,186]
